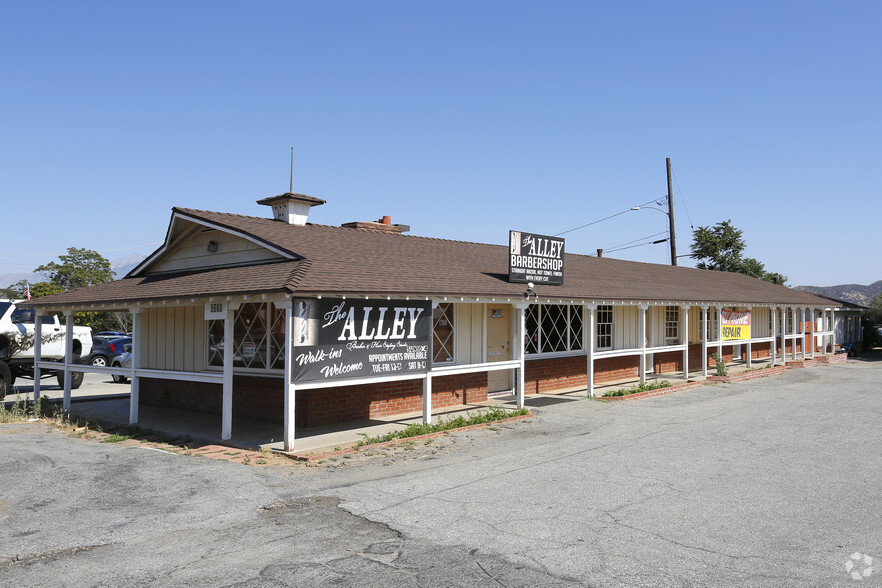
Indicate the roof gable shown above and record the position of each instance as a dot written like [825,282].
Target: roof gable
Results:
[194,243]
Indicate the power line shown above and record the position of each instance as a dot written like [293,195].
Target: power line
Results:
[603,219]
[638,245]
[683,200]
[631,244]
[635,240]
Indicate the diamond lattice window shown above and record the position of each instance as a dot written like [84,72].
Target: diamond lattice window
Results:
[258,338]
[443,331]
[553,328]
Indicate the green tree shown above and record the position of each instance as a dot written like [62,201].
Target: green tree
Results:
[14,291]
[45,289]
[875,309]
[720,248]
[77,269]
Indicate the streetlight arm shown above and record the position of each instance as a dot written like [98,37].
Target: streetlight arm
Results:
[650,208]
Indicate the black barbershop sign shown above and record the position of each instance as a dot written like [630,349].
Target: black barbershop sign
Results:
[336,338]
[535,258]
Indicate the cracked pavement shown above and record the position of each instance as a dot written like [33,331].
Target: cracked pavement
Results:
[770,482]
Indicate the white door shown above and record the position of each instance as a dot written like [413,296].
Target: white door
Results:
[498,347]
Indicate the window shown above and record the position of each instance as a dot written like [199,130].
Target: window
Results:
[604,327]
[789,326]
[672,325]
[26,316]
[713,314]
[442,328]
[258,338]
[553,328]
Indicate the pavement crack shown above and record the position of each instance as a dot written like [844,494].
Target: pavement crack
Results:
[48,556]
[489,575]
[678,543]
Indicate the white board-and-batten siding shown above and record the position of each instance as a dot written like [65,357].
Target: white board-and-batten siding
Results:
[192,253]
[174,339]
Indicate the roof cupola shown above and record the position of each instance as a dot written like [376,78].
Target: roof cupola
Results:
[291,208]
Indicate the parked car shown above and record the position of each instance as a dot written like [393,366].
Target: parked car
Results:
[123,360]
[104,350]
[111,334]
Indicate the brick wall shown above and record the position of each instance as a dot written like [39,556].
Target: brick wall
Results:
[612,369]
[332,405]
[263,398]
[668,362]
[255,398]
[553,375]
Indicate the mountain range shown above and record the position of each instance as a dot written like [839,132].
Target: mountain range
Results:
[854,293]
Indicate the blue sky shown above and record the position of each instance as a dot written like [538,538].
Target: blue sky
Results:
[461,119]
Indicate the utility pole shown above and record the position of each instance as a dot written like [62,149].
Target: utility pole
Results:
[671,215]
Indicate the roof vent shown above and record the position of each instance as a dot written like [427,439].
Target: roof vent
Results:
[290,207]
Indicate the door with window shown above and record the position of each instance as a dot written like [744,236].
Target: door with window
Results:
[499,347]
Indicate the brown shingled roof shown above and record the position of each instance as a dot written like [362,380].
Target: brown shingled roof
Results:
[254,279]
[339,260]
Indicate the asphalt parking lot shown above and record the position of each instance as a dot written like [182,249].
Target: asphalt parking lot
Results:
[94,386]
[771,482]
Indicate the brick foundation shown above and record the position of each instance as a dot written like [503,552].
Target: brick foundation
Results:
[555,375]
[348,403]
[837,359]
[263,398]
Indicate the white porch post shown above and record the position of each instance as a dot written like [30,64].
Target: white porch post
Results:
[38,352]
[288,386]
[802,344]
[134,395]
[792,312]
[750,340]
[589,346]
[812,313]
[427,381]
[643,309]
[522,352]
[774,311]
[227,399]
[427,399]
[68,357]
[685,339]
[832,332]
[704,334]
[719,314]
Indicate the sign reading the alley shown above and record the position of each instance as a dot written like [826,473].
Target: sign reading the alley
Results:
[736,325]
[535,258]
[337,338]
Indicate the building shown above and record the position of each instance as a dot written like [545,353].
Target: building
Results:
[421,322]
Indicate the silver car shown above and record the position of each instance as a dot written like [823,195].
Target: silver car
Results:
[123,360]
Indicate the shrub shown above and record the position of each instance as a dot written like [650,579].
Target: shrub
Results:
[496,413]
[637,388]
[722,370]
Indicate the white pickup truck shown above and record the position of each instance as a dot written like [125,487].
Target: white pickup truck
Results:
[17,329]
